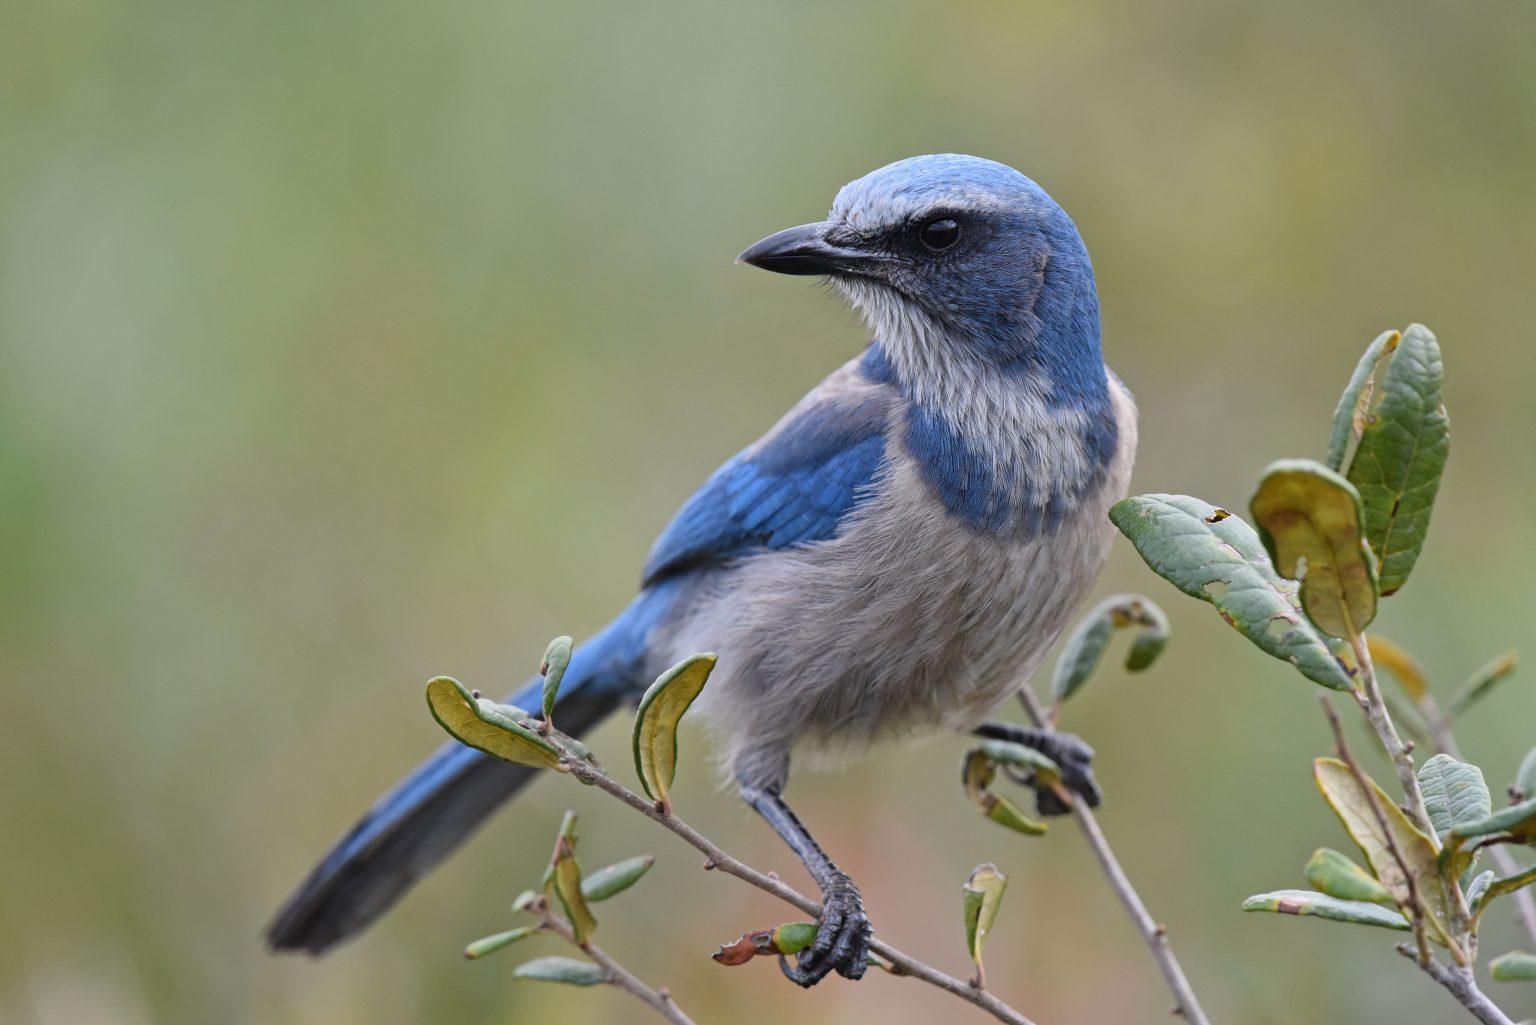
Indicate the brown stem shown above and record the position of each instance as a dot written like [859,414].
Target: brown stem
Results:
[1462,985]
[719,860]
[1155,936]
[618,976]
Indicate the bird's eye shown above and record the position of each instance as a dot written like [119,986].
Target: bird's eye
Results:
[940,234]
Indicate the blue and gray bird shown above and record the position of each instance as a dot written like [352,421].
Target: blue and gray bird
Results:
[894,557]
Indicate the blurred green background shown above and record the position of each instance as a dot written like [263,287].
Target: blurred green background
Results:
[346,344]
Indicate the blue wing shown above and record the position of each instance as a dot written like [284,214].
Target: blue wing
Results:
[795,486]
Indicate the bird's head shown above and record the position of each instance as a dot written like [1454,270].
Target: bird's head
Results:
[955,251]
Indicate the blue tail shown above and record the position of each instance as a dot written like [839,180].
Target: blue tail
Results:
[438,806]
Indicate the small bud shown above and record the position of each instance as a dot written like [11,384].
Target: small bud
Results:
[475,693]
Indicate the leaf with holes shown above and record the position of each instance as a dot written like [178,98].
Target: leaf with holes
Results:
[655,734]
[487,726]
[565,970]
[1212,555]
[1337,876]
[1352,805]
[1402,452]
[1321,905]
[490,944]
[982,894]
[556,658]
[1515,966]
[1085,645]
[1309,519]
[1480,683]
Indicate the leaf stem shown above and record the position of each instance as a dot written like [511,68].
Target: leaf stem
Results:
[659,1000]
[719,860]
[1153,933]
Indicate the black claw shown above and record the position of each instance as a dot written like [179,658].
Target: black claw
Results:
[842,941]
[1074,757]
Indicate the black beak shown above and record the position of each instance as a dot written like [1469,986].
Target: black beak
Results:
[804,250]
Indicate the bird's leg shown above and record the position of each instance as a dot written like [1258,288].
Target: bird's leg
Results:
[1073,756]
[842,942]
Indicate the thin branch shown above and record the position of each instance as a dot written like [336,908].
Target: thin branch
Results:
[1415,906]
[1462,985]
[659,1000]
[1445,743]
[1155,935]
[903,964]
[1375,708]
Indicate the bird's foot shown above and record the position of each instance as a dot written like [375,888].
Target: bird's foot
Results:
[1069,752]
[842,940]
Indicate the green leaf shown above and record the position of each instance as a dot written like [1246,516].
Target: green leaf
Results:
[490,944]
[1516,966]
[1309,519]
[1086,644]
[484,725]
[616,878]
[525,900]
[1518,822]
[655,735]
[1404,668]
[1525,778]
[1454,793]
[1337,876]
[1009,753]
[977,772]
[556,658]
[1344,795]
[1349,417]
[793,937]
[1480,683]
[1212,555]
[566,970]
[1402,452]
[1321,905]
[982,894]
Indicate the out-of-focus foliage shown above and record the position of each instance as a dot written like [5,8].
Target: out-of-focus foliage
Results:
[331,341]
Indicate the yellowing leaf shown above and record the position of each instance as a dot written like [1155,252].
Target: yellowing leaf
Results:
[982,894]
[1344,794]
[1307,514]
[655,734]
[1403,666]
[482,725]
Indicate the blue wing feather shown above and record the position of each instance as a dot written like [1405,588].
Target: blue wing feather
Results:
[796,487]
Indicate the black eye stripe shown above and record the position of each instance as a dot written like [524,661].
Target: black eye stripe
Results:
[940,233]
